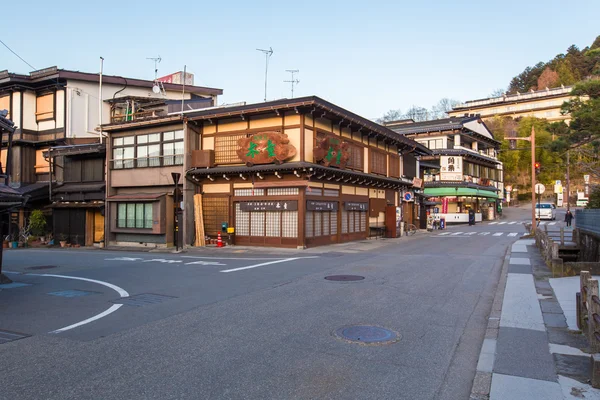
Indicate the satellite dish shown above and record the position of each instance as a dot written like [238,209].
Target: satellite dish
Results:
[156,89]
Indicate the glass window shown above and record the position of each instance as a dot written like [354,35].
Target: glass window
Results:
[128,140]
[179,135]
[167,136]
[148,215]
[118,142]
[134,215]
[121,215]
[154,137]
[128,157]
[142,139]
[131,215]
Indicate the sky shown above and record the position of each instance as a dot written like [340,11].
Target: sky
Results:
[366,56]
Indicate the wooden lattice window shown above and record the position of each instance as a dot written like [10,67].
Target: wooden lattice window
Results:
[226,147]
[216,211]
[394,166]
[378,161]
[356,158]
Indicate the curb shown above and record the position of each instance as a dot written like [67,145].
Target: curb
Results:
[482,383]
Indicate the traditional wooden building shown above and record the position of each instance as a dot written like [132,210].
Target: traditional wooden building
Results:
[464,173]
[290,173]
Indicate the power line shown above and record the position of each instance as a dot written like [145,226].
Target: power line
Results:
[20,58]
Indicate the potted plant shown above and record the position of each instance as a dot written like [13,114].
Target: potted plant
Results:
[76,242]
[63,240]
[14,240]
[6,242]
[37,223]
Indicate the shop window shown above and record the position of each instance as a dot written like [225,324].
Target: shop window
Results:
[5,105]
[344,221]
[242,221]
[216,211]
[378,161]
[333,223]
[289,224]
[226,148]
[44,109]
[257,223]
[308,226]
[134,215]
[273,226]
[326,230]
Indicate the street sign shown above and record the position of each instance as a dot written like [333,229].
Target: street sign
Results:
[539,188]
[557,182]
[586,178]
[558,188]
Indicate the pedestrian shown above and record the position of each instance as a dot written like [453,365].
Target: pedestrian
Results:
[569,217]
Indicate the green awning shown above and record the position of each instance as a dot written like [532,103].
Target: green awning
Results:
[460,191]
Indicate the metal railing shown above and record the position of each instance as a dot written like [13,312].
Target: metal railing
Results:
[588,220]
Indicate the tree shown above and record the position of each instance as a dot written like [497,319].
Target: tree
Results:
[391,115]
[440,110]
[497,93]
[37,222]
[594,198]
[548,79]
[417,114]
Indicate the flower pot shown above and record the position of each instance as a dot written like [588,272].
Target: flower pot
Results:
[14,245]
[63,243]
[42,239]
[5,244]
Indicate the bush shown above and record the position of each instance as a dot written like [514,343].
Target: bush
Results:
[594,199]
[37,222]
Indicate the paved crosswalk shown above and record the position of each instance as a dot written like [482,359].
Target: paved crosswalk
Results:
[496,234]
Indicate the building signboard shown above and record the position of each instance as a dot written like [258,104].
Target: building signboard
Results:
[451,168]
[355,206]
[282,205]
[265,148]
[313,205]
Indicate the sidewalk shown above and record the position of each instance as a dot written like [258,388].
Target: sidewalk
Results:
[529,351]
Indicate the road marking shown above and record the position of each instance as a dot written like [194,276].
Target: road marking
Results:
[513,234]
[200,262]
[484,233]
[501,223]
[111,310]
[457,233]
[122,292]
[261,264]
[512,223]
[242,258]
[552,223]
[542,222]
[444,234]
[498,234]
[123,259]
[471,233]
[493,223]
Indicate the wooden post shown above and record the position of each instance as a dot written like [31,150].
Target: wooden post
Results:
[584,278]
[593,310]
[562,236]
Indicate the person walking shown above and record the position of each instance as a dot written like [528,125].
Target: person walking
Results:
[569,217]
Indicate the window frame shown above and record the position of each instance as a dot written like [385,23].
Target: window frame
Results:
[374,168]
[147,160]
[53,112]
[127,205]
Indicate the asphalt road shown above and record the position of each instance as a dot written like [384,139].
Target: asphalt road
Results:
[253,324]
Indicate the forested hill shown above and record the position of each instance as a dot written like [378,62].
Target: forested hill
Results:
[564,69]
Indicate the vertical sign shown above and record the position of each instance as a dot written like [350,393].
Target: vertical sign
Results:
[444,205]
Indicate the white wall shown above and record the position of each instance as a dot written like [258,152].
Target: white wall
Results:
[82,104]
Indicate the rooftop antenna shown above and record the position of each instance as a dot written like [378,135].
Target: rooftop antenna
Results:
[158,86]
[268,54]
[293,81]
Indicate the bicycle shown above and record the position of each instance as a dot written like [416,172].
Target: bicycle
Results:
[410,229]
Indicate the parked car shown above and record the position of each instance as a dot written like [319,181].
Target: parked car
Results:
[545,211]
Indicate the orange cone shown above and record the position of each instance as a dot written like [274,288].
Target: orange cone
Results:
[219,241]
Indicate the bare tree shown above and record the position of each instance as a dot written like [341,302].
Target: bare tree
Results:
[441,109]
[497,93]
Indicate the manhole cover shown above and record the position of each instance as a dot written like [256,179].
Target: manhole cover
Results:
[368,334]
[347,278]
[144,299]
[42,267]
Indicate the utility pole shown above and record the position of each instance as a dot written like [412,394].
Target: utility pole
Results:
[268,54]
[293,81]
[568,181]
[530,139]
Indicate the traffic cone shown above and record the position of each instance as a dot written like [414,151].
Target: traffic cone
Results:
[219,241]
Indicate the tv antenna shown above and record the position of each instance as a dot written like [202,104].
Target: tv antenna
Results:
[268,54]
[293,81]
[158,86]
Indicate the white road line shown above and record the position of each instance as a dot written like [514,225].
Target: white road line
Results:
[457,233]
[122,292]
[484,233]
[444,234]
[513,234]
[498,234]
[261,264]
[542,222]
[242,258]
[493,223]
[501,223]
[111,310]
[512,223]
[552,223]
[471,233]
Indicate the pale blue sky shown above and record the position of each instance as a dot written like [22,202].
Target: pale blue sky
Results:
[367,56]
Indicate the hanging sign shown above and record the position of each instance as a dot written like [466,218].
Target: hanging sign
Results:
[354,206]
[312,205]
[332,152]
[445,205]
[283,205]
[265,148]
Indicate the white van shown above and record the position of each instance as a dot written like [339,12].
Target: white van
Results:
[545,211]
